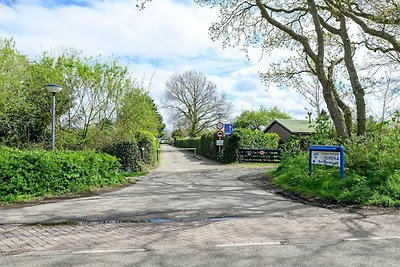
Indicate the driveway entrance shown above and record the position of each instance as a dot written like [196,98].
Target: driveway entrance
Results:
[193,208]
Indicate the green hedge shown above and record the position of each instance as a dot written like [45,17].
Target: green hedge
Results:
[141,150]
[150,144]
[37,173]
[128,154]
[187,142]
[241,138]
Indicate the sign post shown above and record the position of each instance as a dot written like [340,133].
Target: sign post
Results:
[326,155]
[220,135]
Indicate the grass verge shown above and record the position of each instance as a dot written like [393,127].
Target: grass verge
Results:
[324,183]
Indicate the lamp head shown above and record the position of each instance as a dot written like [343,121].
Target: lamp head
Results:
[53,88]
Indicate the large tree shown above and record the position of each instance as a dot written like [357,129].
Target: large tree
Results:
[194,102]
[14,106]
[304,27]
[319,31]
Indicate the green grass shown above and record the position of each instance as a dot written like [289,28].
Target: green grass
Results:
[324,183]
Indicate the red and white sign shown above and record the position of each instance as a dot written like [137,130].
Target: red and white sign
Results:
[262,152]
[220,134]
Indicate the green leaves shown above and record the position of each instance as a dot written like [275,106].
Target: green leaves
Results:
[39,173]
[263,117]
[372,172]
[99,97]
[242,138]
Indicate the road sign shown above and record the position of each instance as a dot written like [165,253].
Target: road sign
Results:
[220,142]
[228,129]
[326,155]
[219,125]
[220,134]
[262,152]
[325,158]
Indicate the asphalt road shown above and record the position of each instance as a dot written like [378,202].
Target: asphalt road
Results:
[191,211]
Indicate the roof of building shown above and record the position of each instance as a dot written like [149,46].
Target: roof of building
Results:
[294,126]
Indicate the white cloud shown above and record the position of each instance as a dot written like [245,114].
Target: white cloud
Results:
[164,38]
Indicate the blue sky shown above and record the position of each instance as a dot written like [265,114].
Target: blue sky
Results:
[169,36]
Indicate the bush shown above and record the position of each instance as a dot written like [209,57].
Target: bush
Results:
[149,142]
[187,142]
[372,173]
[241,138]
[128,154]
[39,173]
[256,139]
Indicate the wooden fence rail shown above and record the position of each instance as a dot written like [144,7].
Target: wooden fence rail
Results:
[259,155]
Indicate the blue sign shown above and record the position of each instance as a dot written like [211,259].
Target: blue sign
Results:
[228,129]
[326,155]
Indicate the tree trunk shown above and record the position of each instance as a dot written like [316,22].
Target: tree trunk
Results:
[358,90]
[337,117]
[348,118]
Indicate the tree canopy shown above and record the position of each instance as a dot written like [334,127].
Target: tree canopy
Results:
[326,36]
[98,95]
[193,102]
[262,117]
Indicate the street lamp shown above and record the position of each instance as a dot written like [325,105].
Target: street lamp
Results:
[54,89]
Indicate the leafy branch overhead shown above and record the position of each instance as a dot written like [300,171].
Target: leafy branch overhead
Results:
[318,33]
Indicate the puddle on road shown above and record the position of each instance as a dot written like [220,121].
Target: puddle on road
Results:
[154,220]
[159,220]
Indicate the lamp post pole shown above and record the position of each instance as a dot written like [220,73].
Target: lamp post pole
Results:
[53,89]
[53,121]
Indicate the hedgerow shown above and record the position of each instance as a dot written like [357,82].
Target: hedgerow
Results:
[38,173]
[240,138]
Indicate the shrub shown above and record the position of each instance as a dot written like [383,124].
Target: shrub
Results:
[187,142]
[128,155]
[241,138]
[42,173]
[256,139]
[149,142]
[372,173]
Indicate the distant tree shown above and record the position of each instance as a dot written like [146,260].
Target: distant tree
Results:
[194,102]
[263,117]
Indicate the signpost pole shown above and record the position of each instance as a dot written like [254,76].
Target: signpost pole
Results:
[341,163]
[309,163]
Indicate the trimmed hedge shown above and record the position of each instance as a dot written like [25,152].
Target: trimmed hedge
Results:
[150,144]
[241,138]
[187,142]
[130,153]
[39,173]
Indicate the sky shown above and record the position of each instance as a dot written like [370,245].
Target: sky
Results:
[167,37]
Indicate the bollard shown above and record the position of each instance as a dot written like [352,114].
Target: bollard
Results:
[142,152]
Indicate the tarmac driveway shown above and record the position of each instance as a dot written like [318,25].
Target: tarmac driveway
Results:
[191,211]
[183,187]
